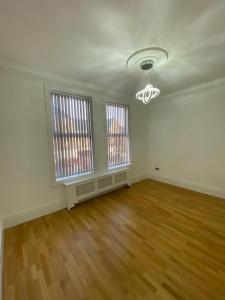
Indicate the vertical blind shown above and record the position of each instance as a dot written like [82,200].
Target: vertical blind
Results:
[117,135]
[72,134]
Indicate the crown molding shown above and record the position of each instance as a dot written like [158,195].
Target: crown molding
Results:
[192,89]
[48,76]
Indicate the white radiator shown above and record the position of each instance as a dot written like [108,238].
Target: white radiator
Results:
[84,189]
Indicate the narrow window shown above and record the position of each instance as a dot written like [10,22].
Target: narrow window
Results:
[72,135]
[117,135]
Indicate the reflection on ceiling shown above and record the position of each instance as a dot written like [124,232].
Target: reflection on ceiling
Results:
[91,40]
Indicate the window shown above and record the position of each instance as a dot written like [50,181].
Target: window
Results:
[117,135]
[72,134]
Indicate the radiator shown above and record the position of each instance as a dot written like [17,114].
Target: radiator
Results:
[85,189]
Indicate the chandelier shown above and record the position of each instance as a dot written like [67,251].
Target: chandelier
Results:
[147,94]
[144,60]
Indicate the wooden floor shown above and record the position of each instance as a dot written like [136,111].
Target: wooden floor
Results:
[151,241]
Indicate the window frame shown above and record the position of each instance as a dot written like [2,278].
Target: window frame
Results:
[70,92]
[123,166]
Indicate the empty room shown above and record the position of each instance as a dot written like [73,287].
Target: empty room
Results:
[112,150]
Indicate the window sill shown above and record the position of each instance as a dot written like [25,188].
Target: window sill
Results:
[82,178]
[75,178]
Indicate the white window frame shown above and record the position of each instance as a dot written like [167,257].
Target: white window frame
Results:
[123,166]
[47,91]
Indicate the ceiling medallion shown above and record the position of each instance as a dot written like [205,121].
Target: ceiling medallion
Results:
[144,60]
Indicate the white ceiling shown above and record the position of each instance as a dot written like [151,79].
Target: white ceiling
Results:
[90,40]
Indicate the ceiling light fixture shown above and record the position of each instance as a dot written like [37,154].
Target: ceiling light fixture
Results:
[149,92]
[144,60]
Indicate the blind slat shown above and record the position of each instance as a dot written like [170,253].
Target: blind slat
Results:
[91,137]
[72,135]
[75,137]
[60,129]
[109,140]
[117,135]
[82,139]
[116,124]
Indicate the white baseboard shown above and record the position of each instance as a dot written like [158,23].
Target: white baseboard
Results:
[33,213]
[198,187]
[1,256]
[42,210]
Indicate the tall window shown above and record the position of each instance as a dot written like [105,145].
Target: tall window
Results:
[72,134]
[117,135]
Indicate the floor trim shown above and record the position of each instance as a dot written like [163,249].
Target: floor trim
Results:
[38,211]
[1,256]
[197,187]
[33,213]
[44,209]
[138,178]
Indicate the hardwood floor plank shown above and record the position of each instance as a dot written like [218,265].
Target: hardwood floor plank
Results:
[150,241]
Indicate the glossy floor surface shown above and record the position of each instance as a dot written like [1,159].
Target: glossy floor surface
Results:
[150,241]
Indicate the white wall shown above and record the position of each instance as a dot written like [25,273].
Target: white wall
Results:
[187,138]
[24,161]
[182,134]
[24,171]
